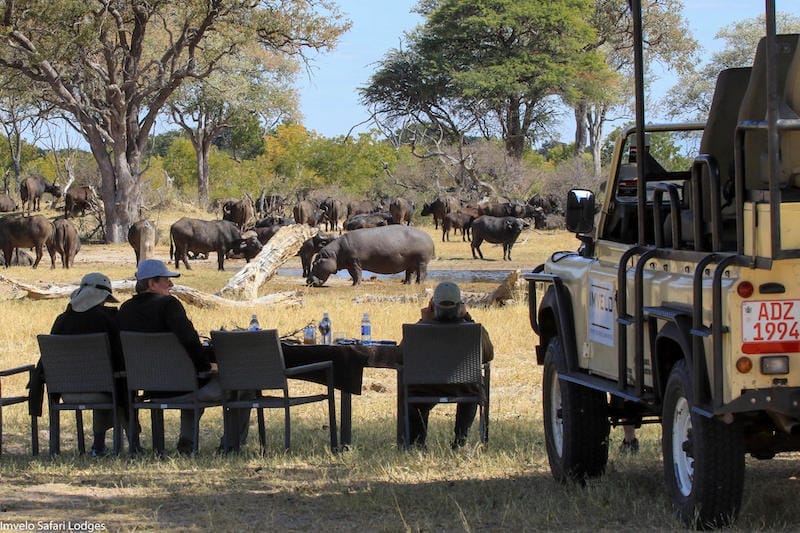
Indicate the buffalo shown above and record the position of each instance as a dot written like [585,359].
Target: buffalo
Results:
[31,190]
[497,230]
[265,233]
[7,203]
[362,207]
[208,236]
[367,220]
[79,199]
[306,212]
[142,235]
[215,205]
[439,208]
[64,241]
[274,220]
[402,210]
[549,203]
[457,221]
[24,232]
[332,213]
[310,247]
[240,212]
[19,258]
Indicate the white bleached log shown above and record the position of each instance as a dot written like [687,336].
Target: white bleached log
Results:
[182,292]
[286,243]
[498,296]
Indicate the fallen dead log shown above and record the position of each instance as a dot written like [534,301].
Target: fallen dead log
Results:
[182,292]
[401,299]
[283,245]
[499,296]
[503,291]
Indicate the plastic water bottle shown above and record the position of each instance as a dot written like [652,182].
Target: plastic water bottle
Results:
[254,323]
[366,329]
[325,329]
[310,334]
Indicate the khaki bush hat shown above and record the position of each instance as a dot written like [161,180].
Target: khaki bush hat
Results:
[95,288]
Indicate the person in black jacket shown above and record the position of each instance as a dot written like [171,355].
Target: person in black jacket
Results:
[446,307]
[153,309]
[86,313]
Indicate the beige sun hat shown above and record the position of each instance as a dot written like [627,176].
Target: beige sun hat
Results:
[95,288]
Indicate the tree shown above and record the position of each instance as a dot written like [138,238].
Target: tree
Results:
[490,67]
[668,41]
[690,98]
[111,65]
[252,84]
[20,116]
[244,136]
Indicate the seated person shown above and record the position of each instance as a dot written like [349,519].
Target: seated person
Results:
[446,307]
[153,309]
[86,313]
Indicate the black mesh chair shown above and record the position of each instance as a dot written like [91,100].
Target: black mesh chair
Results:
[79,376]
[251,362]
[5,401]
[160,376]
[447,357]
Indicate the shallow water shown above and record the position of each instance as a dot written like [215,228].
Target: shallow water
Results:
[463,276]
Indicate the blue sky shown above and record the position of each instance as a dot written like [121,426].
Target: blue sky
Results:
[329,100]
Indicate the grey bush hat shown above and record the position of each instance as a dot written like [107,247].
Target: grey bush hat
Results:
[153,268]
[95,288]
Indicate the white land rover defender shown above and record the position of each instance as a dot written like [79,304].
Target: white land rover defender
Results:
[682,304]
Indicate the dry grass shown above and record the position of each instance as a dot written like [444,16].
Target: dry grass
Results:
[373,487]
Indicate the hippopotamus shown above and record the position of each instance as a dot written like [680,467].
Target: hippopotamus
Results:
[384,250]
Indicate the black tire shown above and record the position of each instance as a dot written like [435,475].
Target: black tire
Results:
[576,423]
[703,458]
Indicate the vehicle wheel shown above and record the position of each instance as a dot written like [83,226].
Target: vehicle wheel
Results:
[703,458]
[576,423]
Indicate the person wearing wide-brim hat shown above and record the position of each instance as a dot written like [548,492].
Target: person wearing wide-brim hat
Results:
[87,313]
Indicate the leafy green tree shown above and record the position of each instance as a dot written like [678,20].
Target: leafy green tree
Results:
[110,66]
[357,165]
[243,138]
[179,163]
[250,84]
[159,145]
[690,98]
[668,42]
[489,66]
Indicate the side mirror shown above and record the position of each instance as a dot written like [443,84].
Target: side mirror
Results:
[580,211]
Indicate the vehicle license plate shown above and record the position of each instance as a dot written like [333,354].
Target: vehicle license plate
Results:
[771,326]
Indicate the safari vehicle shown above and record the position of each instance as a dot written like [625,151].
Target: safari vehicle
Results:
[682,304]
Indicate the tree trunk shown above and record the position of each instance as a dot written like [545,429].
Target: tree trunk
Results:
[595,121]
[581,109]
[119,188]
[515,134]
[202,173]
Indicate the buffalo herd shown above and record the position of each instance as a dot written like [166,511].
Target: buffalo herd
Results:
[379,237]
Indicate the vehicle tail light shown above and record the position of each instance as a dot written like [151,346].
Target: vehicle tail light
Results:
[744,365]
[775,364]
[745,289]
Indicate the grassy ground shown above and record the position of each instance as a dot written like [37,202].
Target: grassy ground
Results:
[373,487]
